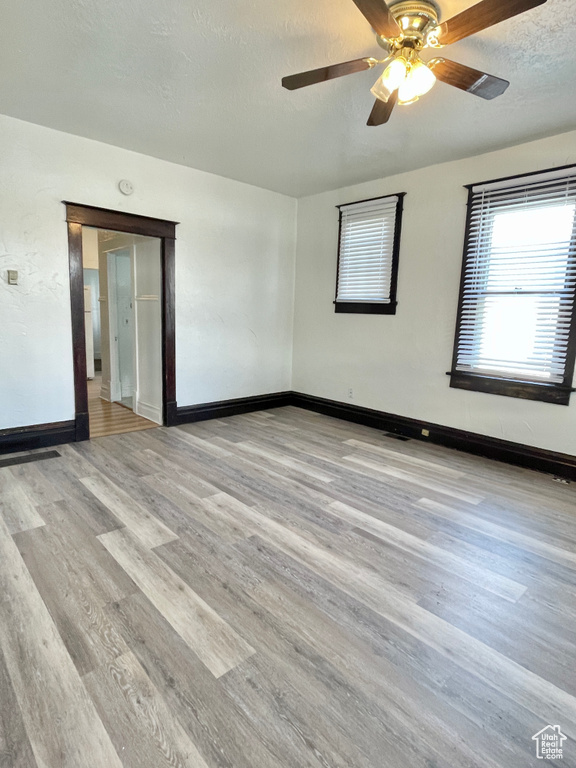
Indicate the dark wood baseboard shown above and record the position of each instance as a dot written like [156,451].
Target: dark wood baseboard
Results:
[221,408]
[37,436]
[82,427]
[560,464]
[171,414]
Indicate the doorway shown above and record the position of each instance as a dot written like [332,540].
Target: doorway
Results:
[131,338]
[123,324]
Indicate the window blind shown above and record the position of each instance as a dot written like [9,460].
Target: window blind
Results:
[519,280]
[368,250]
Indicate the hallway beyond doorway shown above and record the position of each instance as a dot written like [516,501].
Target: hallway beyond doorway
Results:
[111,418]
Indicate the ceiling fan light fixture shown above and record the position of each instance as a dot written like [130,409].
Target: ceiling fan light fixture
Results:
[390,79]
[403,29]
[404,102]
[418,81]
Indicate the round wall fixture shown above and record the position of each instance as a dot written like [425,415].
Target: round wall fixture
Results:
[126,187]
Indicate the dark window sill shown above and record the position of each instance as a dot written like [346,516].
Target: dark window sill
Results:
[365,307]
[527,390]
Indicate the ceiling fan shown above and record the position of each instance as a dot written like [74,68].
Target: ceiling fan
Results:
[405,29]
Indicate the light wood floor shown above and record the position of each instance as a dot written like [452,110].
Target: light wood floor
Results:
[282,590]
[111,418]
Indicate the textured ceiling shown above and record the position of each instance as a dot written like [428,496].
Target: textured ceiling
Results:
[198,83]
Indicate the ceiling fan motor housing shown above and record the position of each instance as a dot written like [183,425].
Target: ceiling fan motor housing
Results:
[415,18]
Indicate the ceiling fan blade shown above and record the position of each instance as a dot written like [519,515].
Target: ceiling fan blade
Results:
[378,15]
[480,16]
[326,73]
[468,79]
[382,110]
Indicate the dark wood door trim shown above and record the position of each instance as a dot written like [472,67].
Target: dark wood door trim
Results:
[102,218]
[169,331]
[77,216]
[78,332]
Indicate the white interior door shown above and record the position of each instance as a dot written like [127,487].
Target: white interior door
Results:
[89,332]
[148,327]
[125,325]
[121,325]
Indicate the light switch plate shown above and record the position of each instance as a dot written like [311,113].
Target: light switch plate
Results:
[12,277]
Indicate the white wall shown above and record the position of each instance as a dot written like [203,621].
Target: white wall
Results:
[234,270]
[89,248]
[234,285]
[398,363]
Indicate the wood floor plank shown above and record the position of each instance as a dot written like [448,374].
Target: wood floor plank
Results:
[373,553]
[540,517]
[86,507]
[205,445]
[218,517]
[46,683]
[240,476]
[125,450]
[147,528]
[216,725]
[347,479]
[275,457]
[141,727]
[283,589]
[258,689]
[542,576]
[400,458]
[312,656]
[76,577]
[15,747]
[502,586]
[108,418]
[540,696]
[37,486]
[76,462]
[67,547]
[16,507]
[169,472]
[254,685]
[203,473]
[209,636]
[444,487]
[381,660]
[110,460]
[516,633]
[383,557]
[501,533]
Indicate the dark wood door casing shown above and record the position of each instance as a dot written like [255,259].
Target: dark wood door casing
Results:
[77,216]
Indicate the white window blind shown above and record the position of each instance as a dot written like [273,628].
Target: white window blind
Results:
[368,250]
[519,280]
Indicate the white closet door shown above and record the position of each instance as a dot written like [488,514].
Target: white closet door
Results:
[89,333]
[148,320]
[125,324]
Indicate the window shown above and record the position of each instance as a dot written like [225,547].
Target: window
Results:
[368,256]
[516,330]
